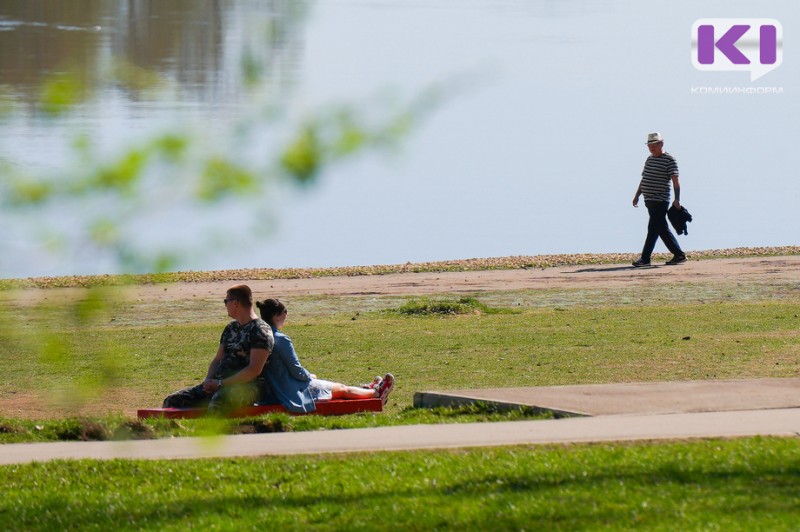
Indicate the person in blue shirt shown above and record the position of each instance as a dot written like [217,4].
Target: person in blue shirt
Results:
[294,387]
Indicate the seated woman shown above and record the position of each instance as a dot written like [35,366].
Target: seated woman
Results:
[291,384]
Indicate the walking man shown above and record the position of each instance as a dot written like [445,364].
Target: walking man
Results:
[659,169]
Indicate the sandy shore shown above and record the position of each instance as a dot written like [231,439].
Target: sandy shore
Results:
[753,269]
[770,269]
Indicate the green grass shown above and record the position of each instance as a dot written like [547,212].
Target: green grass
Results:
[534,346]
[747,484]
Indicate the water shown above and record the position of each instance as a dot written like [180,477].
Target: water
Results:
[539,150]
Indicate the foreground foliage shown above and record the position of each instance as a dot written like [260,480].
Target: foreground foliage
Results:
[750,484]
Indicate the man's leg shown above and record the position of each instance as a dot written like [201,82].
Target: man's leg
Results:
[233,396]
[658,227]
[653,228]
[187,398]
[669,240]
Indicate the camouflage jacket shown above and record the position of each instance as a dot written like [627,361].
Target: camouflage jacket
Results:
[237,340]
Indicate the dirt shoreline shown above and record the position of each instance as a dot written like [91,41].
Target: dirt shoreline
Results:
[730,270]
[754,269]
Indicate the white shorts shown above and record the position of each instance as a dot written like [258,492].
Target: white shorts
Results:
[321,390]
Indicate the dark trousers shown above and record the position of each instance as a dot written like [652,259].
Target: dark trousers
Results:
[658,227]
[225,399]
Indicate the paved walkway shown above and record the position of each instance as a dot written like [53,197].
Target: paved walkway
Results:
[624,412]
[633,398]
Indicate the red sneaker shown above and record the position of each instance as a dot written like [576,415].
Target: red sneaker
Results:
[385,387]
[376,381]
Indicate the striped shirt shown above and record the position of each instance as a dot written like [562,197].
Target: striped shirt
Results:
[656,176]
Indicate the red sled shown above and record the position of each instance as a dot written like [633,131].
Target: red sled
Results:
[334,407]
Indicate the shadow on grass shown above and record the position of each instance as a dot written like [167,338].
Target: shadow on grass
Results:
[563,498]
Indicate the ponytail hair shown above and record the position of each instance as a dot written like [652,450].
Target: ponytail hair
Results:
[270,308]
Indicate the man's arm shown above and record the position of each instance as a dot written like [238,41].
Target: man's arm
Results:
[258,358]
[209,383]
[636,197]
[212,368]
[676,186]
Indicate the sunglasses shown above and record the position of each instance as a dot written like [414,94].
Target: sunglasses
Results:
[227,300]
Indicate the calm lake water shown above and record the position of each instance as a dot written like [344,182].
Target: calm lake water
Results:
[538,150]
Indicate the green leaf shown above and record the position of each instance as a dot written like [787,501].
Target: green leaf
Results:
[29,192]
[60,93]
[351,139]
[303,158]
[222,178]
[104,232]
[122,175]
[171,146]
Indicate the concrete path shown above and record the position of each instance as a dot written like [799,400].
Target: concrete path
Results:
[776,414]
[780,422]
[632,398]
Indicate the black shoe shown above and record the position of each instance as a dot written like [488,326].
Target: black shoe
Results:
[677,259]
[639,263]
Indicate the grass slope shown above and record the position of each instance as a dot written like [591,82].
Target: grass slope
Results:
[749,484]
[532,346]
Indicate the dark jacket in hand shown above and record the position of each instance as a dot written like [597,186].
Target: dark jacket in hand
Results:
[679,218]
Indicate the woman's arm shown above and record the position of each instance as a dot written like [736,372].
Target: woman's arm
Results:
[296,370]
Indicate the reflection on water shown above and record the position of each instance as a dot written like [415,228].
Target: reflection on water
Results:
[132,66]
[199,46]
[40,38]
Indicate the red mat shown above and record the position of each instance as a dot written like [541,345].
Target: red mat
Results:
[335,407]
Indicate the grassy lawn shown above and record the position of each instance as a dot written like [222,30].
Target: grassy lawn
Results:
[104,359]
[747,484]
[51,354]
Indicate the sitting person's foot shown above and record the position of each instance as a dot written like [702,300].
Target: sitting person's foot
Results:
[374,382]
[383,388]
